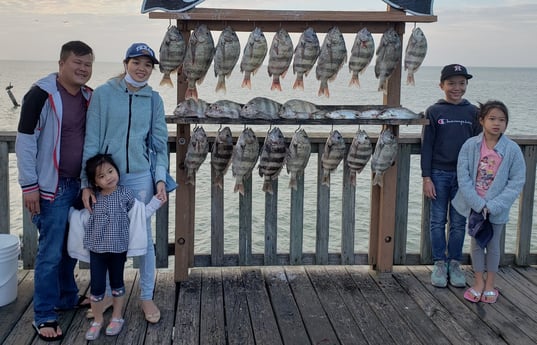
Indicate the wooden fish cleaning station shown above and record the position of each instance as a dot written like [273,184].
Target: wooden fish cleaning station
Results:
[384,203]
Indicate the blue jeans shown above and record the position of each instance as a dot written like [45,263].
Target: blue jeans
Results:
[54,281]
[142,186]
[445,184]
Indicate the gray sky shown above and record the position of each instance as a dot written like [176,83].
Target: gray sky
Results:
[472,32]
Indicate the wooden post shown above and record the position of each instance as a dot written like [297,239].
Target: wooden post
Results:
[4,188]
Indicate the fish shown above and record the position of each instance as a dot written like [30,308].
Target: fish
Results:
[399,113]
[370,114]
[362,52]
[197,150]
[334,151]
[261,108]
[280,57]
[253,55]
[198,57]
[191,108]
[224,109]
[298,155]
[305,55]
[244,158]
[171,54]
[384,155]
[388,57]
[221,155]
[359,154]
[272,158]
[415,52]
[346,114]
[298,109]
[332,57]
[226,56]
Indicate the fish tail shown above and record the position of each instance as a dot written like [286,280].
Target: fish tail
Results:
[267,187]
[218,181]
[377,180]
[323,89]
[191,179]
[410,79]
[166,80]
[299,84]
[191,93]
[382,87]
[276,84]
[221,84]
[293,182]
[353,179]
[239,187]
[326,178]
[355,80]
[246,81]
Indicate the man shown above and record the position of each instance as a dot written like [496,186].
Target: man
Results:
[49,145]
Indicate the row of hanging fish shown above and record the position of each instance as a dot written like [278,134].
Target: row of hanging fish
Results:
[274,154]
[196,55]
[267,109]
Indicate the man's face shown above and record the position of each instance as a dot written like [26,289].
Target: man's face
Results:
[76,70]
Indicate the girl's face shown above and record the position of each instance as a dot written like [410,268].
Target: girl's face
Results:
[106,178]
[139,68]
[454,88]
[494,123]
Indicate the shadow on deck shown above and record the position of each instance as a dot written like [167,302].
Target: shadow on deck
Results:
[295,305]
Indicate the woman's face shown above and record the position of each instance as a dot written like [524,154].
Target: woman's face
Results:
[139,68]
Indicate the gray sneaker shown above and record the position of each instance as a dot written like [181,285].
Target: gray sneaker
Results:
[439,275]
[456,275]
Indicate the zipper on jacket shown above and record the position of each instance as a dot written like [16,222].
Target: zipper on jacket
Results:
[128,134]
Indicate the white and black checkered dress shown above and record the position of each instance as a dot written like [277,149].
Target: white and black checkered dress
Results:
[107,230]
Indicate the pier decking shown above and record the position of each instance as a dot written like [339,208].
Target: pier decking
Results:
[301,305]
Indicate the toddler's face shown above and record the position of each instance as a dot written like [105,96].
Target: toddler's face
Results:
[106,177]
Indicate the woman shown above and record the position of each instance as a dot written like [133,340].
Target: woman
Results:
[121,115]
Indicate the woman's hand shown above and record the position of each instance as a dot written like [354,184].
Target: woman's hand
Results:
[161,192]
[88,198]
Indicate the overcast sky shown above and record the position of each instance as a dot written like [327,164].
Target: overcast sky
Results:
[471,32]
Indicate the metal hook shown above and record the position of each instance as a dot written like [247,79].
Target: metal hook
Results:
[169,23]
[219,128]
[299,126]
[415,25]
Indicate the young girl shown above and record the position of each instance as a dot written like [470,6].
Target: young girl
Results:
[491,173]
[106,236]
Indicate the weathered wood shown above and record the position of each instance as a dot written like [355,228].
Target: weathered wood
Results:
[238,325]
[401,204]
[296,231]
[525,207]
[348,219]
[217,221]
[323,215]
[245,223]
[212,328]
[271,224]
[426,253]
[187,312]
[29,240]
[4,188]
[165,293]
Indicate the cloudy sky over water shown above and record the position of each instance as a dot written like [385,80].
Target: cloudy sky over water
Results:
[495,33]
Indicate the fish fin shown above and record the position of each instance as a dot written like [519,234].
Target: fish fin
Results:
[355,80]
[191,93]
[377,180]
[323,90]
[410,79]
[299,84]
[166,80]
[221,84]
[276,84]
[246,82]
[239,187]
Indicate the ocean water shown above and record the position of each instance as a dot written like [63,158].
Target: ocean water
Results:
[514,86]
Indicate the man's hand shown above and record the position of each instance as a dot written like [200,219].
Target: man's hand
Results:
[31,202]
[428,188]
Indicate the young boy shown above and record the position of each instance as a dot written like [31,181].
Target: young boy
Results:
[452,120]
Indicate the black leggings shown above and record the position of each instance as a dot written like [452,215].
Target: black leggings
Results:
[114,264]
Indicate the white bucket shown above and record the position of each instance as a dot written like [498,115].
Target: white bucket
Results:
[9,255]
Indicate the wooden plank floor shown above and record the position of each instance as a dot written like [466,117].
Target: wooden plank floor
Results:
[302,305]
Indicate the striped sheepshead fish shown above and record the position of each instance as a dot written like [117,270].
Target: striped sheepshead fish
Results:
[359,154]
[253,55]
[280,56]
[171,54]
[245,154]
[332,57]
[221,155]
[226,56]
[272,158]
[191,108]
[384,155]
[388,57]
[362,53]
[415,52]
[334,151]
[198,58]
[261,108]
[306,53]
[197,150]
[298,156]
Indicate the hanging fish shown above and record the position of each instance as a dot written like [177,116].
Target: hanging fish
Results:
[272,158]
[196,153]
[333,56]
[198,58]
[362,53]
[334,151]
[280,56]
[359,154]
[245,154]
[388,57]
[221,155]
[298,156]
[226,56]
[171,54]
[384,155]
[306,53]
[253,55]
[415,52]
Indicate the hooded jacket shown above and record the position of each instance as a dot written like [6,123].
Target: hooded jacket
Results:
[38,149]
[118,123]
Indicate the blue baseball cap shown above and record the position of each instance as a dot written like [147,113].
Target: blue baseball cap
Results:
[141,49]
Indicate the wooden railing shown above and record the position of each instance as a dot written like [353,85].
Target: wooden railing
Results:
[408,145]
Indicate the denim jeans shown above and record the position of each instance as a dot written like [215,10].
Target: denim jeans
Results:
[445,184]
[54,281]
[142,186]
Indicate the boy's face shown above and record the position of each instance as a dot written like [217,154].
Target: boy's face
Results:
[454,88]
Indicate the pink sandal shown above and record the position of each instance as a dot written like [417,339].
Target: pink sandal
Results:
[472,295]
[115,326]
[490,296]
[94,331]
